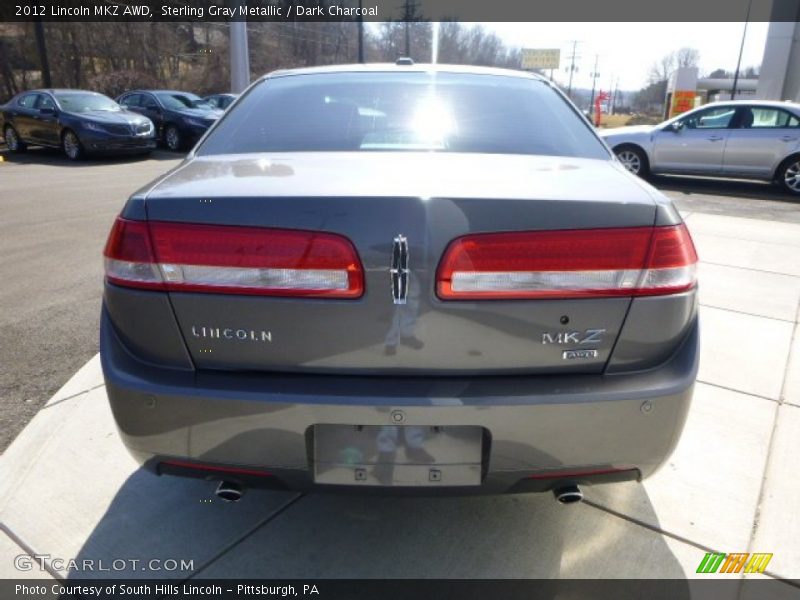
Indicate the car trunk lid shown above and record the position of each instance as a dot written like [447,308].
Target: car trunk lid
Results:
[420,203]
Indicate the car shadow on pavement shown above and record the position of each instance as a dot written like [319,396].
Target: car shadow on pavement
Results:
[736,188]
[287,535]
[54,157]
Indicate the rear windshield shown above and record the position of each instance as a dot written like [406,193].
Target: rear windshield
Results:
[416,111]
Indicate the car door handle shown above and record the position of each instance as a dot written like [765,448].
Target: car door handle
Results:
[715,138]
[788,138]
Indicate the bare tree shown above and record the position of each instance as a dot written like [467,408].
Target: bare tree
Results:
[720,74]
[113,56]
[662,69]
[687,57]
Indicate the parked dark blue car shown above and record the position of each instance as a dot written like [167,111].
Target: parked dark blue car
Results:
[80,122]
[181,118]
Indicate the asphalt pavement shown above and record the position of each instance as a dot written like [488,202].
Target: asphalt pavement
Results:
[54,219]
[56,214]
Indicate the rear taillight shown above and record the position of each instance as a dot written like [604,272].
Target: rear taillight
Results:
[232,259]
[578,263]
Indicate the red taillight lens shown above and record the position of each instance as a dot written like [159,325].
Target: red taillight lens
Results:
[129,256]
[578,263]
[232,259]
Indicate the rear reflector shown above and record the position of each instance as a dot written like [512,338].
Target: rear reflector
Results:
[231,259]
[581,473]
[184,464]
[577,263]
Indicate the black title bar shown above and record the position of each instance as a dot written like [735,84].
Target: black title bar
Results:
[712,588]
[399,10]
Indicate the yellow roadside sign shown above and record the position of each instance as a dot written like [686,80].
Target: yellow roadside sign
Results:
[541,58]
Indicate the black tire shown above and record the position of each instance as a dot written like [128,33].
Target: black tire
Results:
[634,159]
[788,175]
[173,139]
[13,142]
[71,145]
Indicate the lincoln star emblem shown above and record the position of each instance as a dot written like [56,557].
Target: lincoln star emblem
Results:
[399,269]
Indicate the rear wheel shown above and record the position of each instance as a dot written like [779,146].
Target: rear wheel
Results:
[172,138]
[13,142]
[634,159]
[789,175]
[71,145]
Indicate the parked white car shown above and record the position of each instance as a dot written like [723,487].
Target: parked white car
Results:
[744,139]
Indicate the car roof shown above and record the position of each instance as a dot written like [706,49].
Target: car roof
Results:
[754,101]
[159,92]
[415,68]
[59,90]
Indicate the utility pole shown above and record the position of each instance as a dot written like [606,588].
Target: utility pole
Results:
[409,14]
[572,68]
[38,28]
[239,55]
[360,33]
[741,49]
[594,76]
[614,97]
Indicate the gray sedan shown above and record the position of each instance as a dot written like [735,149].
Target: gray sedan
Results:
[743,139]
[400,278]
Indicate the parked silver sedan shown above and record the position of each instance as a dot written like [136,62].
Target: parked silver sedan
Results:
[744,139]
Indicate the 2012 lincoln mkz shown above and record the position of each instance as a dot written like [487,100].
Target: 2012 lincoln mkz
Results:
[404,279]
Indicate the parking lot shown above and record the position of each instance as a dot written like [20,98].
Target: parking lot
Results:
[55,218]
[69,489]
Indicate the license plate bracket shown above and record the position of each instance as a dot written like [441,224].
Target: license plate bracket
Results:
[398,455]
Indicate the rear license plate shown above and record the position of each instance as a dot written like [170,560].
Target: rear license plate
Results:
[395,455]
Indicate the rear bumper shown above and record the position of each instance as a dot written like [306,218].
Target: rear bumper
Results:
[540,432]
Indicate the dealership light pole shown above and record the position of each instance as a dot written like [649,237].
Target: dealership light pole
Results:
[741,49]
[240,59]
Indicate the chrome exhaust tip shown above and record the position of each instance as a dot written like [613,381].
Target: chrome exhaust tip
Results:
[228,491]
[568,494]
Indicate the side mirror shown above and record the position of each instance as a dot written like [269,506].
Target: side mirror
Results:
[47,111]
[675,127]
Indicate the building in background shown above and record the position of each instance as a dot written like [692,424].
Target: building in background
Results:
[685,90]
[780,69]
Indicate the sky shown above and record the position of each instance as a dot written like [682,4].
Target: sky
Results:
[626,51]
